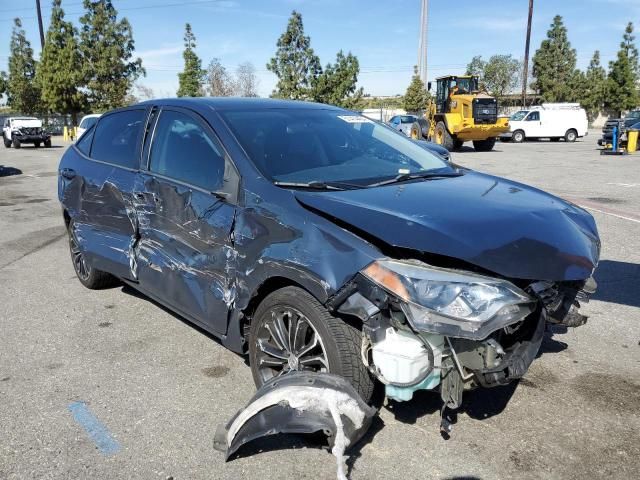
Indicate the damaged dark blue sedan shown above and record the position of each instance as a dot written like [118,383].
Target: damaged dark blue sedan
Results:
[314,239]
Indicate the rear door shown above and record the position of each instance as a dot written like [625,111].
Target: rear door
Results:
[97,176]
[185,199]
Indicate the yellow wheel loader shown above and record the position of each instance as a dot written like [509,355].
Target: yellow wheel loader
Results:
[460,113]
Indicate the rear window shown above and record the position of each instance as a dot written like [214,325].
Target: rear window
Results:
[116,138]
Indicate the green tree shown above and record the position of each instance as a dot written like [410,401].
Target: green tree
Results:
[246,84]
[476,67]
[107,45]
[60,70]
[622,82]
[554,65]
[295,64]
[501,75]
[3,83]
[336,85]
[23,94]
[594,92]
[417,96]
[192,76]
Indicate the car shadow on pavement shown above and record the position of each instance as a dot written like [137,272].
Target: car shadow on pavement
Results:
[8,171]
[618,282]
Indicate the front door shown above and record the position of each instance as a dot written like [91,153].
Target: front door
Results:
[186,206]
[532,125]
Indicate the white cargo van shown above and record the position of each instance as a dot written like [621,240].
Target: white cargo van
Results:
[551,120]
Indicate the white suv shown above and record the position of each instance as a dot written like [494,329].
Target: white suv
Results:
[19,130]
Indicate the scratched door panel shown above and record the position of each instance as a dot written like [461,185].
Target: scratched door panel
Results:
[184,253]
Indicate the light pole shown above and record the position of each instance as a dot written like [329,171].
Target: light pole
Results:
[526,56]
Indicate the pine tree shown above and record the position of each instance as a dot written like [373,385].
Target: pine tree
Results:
[192,76]
[107,45]
[554,65]
[60,70]
[622,82]
[337,84]
[415,100]
[594,93]
[295,64]
[3,83]
[23,94]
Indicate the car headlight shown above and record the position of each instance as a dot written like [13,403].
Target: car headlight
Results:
[449,302]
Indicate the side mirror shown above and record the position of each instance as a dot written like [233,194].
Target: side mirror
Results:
[428,86]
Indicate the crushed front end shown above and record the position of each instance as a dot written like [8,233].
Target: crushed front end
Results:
[428,328]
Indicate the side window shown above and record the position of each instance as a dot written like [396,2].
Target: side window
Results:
[533,116]
[183,150]
[116,138]
[84,143]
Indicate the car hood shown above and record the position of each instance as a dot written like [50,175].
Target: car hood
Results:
[504,227]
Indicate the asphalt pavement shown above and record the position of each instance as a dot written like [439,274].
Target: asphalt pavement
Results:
[107,384]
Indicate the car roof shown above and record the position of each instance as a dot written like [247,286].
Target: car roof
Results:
[91,115]
[23,118]
[239,103]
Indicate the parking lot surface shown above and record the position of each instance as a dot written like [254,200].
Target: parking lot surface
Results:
[107,384]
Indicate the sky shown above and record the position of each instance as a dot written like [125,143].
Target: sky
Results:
[383,34]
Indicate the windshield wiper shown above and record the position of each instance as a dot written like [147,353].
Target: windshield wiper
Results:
[318,185]
[403,177]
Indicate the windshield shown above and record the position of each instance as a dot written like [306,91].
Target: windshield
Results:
[312,145]
[519,115]
[634,114]
[466,85]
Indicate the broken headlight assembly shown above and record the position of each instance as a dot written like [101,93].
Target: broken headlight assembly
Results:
[449,302]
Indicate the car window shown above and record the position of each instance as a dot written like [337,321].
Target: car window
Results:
[88,122]
[183,150]
[304,145]
[116,138]
[84,143]
[533,116]
[518,116]
[407,119]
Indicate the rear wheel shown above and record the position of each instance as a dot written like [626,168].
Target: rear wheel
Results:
[89,277]
[443,137]
[484,145]
[518,136]
[457,144]
[47,143]
[571,135]
[419,129]
[16,143]
[292,331]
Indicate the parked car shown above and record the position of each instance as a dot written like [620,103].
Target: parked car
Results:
[551,120]
[87,122]
[20,130]
[312,238]
[402,123]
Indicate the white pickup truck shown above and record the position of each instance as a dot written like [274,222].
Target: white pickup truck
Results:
[19,130]
[551,120]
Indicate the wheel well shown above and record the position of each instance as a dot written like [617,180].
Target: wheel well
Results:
[67,218]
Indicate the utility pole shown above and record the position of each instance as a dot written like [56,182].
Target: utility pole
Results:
[525,74]
[422,45]
[40,24]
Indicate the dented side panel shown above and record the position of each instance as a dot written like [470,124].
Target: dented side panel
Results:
[185,255]
[99,202]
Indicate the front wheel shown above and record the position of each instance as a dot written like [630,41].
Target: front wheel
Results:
[443,137]
[484,145]
[571,135]
[16,143]
[7,143]
[292,331]
[518,136]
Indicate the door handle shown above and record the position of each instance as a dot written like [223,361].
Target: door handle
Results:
[68,173]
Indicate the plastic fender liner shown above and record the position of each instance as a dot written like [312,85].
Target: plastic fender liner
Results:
[300,402]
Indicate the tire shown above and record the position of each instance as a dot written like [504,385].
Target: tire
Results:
[457,144]
[7,143]
[419,129]
[337,342]
[90,277]
[571,135]
[484,145]
[518,136]
[16,143]
[47,143]
[443,137]
[36,144]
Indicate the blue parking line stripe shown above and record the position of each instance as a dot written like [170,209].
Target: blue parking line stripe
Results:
[94,428]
